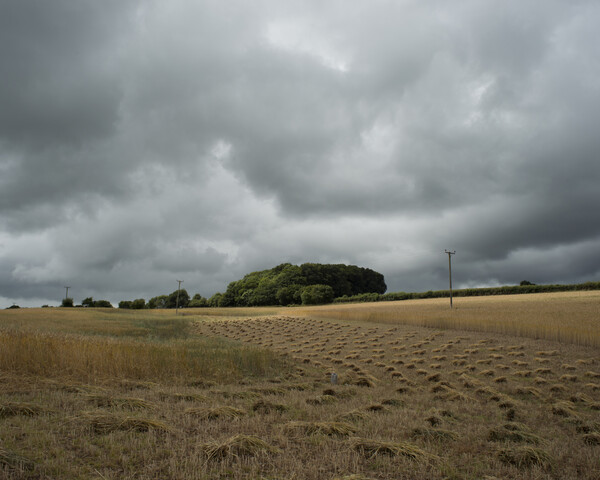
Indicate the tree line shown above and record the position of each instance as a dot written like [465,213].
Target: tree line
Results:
[524,287]
[285,284]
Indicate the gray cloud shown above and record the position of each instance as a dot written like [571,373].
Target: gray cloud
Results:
[143,141]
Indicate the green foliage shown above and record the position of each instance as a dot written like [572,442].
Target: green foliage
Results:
[67,302]
[290,295]
[198,301]
[138,304]
[215,300]
[158,302]
[469,292]
[102,304]
[317,295]
[284,284]
[125,304]
[526,282]
[88,302]
[184,299]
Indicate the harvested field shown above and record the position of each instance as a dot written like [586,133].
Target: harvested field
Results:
[486,417]
[496,416]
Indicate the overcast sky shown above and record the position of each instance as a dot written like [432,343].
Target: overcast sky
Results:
[147,141]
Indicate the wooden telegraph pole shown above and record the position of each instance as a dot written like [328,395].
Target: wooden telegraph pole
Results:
[177,301]
[450,271]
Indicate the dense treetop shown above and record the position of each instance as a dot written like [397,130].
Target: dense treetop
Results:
[308,283]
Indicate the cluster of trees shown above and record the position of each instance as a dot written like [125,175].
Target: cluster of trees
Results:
[286,284]
[90,302]
[307,284]
[167,301]
[86,302]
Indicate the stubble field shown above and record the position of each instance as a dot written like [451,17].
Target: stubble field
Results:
[250,397]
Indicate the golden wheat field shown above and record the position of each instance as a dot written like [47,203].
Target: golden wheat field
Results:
[244,394]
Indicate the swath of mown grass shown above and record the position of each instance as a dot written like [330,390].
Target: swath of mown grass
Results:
[238,445]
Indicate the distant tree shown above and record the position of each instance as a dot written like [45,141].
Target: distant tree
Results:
[184,299]
[317,294]
[215,300]
[88,302]
[67,302]
[12,307]
[158,302]
[125,304]
[138,304]
[198,301]
[526,282]
[102,304]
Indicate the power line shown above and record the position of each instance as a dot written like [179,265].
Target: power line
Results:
[450,271]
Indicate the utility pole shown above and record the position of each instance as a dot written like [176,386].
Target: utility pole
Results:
[177,301]
[67,292]
[450,271]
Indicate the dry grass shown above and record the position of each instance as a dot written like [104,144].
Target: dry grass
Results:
[513,432]
[10,460]
[238,445]
[592,438]
[436,434]
[374,448]
[265,407]
[92,358]
[10,409]
[545,315]
[123,402]
[456,417]
[352,416]
[525,457]
[103,423]
[319,428]
[212,413]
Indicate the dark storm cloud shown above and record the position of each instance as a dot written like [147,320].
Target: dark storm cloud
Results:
[141,141]
[58,81]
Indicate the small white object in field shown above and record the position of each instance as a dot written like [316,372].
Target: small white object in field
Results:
[334,378]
